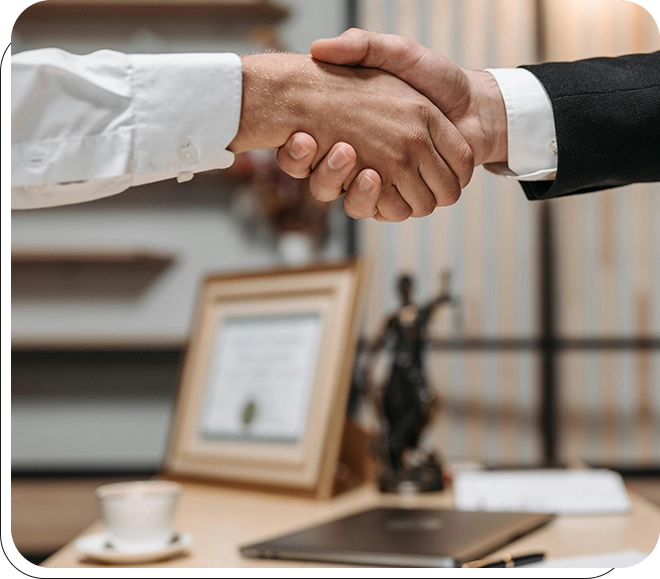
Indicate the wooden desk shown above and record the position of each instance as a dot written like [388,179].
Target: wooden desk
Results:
[221,519]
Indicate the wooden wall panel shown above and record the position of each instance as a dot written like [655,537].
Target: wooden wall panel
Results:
[610,407]
[608,253]
[488,240]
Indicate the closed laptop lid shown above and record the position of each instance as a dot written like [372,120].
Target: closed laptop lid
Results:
[402,537]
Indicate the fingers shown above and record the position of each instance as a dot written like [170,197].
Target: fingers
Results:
[418,195]
[295,157]
[434,176]
[391,205]
[328,178]
[367,198]
[456,163]
[436,184]
[362,196]
[332,174]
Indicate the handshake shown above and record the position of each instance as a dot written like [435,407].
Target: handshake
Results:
[396,126]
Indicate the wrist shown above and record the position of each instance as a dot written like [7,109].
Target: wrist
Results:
[268,109]
[489,135]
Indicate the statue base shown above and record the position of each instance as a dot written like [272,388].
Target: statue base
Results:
[422,477]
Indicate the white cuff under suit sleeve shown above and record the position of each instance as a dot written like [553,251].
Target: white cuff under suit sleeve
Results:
[532,141]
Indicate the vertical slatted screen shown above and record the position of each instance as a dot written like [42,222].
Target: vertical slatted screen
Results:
[488,240]
[608,268]
[608,254]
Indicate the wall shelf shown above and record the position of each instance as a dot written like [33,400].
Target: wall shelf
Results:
[261,10]
[81,257]
[61,344]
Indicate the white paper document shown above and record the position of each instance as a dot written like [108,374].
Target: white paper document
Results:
[597,491]
[261,378]
[617,559]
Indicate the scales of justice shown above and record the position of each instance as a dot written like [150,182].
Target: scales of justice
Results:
[405,403]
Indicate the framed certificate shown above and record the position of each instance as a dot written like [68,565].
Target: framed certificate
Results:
[263,392]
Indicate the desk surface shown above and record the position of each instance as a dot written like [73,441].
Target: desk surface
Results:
[221,519]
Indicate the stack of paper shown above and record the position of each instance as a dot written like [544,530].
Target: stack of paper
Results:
[597,491]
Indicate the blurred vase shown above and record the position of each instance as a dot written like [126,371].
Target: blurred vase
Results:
[295,248]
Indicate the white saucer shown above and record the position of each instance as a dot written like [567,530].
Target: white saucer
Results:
[97,547]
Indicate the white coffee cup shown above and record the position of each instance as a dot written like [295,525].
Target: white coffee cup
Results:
[139,516]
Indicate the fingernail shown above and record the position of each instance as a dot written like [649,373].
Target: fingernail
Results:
[366,183]
[338,159]
[297,150]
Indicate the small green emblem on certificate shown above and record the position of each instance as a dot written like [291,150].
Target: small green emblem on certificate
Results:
[249,412]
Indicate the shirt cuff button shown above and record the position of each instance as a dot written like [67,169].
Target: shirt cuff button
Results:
[188,153]
[184,176]
[552,147]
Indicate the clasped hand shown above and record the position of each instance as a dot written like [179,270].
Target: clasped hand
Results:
[398,141]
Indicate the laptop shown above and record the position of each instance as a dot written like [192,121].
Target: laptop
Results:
[396,537]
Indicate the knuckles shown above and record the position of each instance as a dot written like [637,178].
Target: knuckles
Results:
[451,195]
[421,108]
[419,139]
[395,212]
[425,206]
[408,44]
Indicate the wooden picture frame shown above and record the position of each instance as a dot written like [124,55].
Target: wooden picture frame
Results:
[265,381]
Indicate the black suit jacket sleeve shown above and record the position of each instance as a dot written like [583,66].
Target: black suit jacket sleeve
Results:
[607,119]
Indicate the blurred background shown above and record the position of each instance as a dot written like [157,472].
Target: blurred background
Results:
[558,357]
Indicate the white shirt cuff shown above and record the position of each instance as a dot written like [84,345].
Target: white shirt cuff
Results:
[532,141]
[187,110]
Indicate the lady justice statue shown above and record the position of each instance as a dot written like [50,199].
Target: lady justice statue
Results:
[406,403]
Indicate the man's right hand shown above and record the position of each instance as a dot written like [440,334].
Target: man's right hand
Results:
[421,158]
[331,174]
[471,100]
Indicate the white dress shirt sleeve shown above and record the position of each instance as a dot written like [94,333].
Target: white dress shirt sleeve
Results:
[532,141]
[85,127]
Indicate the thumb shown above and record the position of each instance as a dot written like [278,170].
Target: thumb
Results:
[351,48]
[357,47]
[435,76]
